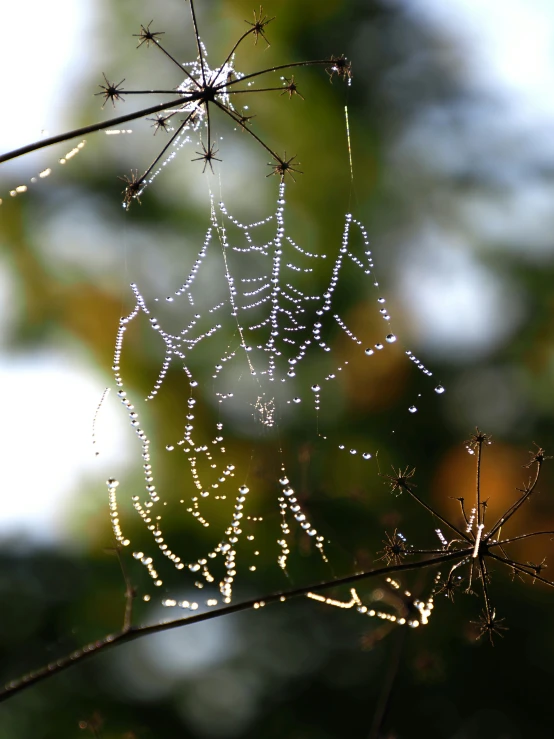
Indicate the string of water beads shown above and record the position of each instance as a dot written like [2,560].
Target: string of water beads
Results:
[97,411]
[424,608]
[42,175]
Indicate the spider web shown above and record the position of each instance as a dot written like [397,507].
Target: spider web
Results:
[255,283]
[254,309]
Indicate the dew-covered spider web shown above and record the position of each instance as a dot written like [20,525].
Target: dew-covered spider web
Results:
[255,339]
[255,284]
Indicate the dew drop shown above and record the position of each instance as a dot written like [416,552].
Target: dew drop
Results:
[391,338]
[316,388]
[296,400]
[439,389]
[412,409]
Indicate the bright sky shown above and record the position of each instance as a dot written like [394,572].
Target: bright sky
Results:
[44,47]
[510,45]
[49,399]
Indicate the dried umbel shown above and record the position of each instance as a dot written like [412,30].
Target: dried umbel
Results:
[472,547]
[477,544]
[186,117]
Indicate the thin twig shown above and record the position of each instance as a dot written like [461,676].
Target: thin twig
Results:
[518,538]
[135,632]
[43,143]
[526,494]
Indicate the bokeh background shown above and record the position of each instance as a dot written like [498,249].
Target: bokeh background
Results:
[451,114]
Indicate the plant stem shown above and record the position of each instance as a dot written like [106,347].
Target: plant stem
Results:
[135,632]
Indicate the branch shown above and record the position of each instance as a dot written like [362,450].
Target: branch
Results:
[122,637]
[43,143]
[525,569]
[433,512]
[526,495]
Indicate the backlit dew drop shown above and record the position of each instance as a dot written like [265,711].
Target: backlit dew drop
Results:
[439,389]
[391,338]
[297,400]
[353,451]
[412,409]
[366,455]
[316,388]
[369,352]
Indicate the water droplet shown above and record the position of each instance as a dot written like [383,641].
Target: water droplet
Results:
[284,481]
[243,489]
[391,338]
[369,352]
[412,409]
[297,400]
[366,455]
[316,388]
[353,451]
[439,389]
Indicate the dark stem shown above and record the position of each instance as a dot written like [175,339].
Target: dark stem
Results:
[510,512]
[244,128]
[517,538]
[275,69]
[483,570]
[95,127]
[434,513]
[462,506]
[149,92]
[235,47]
[261,89]
[135,632]
[166,147]
[526,569]
[479,447]
[161,48]
[198,44]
